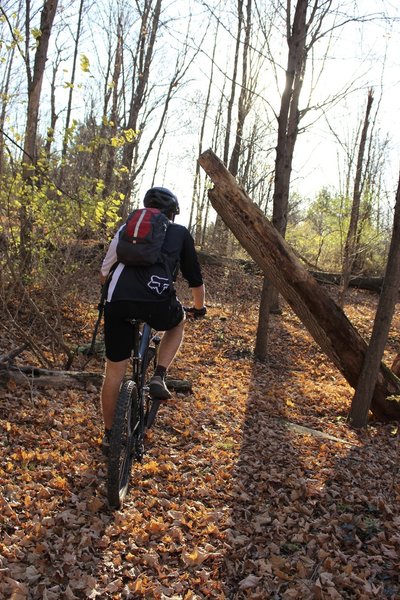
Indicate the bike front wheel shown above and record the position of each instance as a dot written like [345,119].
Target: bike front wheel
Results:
[125,430]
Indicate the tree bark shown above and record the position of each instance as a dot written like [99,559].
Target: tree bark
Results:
[324,319]
[383,319]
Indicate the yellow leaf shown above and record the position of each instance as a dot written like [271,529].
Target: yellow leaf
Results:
[151,468]
[157,526]
[194,558]
[60,483]
[85,64]
[140,585]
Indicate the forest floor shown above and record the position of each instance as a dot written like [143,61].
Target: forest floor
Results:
[253,486]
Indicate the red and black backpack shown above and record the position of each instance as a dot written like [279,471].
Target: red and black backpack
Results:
[142,237]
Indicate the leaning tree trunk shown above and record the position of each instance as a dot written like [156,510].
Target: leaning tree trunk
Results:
[324,319]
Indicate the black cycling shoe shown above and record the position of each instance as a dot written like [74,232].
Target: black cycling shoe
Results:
[158,388]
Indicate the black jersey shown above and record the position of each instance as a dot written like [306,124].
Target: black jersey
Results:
[149,284]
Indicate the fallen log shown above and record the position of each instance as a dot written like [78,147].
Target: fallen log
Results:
[6,358]
[372,284]
[324,319]
[29,376]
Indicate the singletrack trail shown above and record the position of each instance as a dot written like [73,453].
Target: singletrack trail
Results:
[253,486]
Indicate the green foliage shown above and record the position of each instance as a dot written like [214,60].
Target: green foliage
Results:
[57,202]
[319,236]
[57,218]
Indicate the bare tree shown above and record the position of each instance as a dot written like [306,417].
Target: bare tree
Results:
[220,233]
[54,110]
[304,28]
[71,83]
[113,119]
[196,210]
[350,248]
[288,128]
[5,87]
[150,18]
[246,93]
[387,301]
[35,80]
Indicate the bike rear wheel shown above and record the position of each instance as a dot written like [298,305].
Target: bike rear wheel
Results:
[125,431]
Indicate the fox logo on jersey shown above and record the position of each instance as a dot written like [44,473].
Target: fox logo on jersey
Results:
[158,284]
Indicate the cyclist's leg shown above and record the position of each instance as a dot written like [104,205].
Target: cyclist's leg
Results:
[170,344]
[169,317]
[114,375]
[118,343]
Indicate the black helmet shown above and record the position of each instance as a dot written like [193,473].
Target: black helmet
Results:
[163,199]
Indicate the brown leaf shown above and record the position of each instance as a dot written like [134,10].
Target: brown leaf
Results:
[197,557]
[251,581]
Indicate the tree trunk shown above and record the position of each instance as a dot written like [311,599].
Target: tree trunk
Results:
[350,248]
[261,346]
[140,79]
[4,95]
[288,126]
[245,95]
[324,319]
[196,212]
[383,318]
[34,92]
[113,118]
[221,233]
[72,83]
[53,112]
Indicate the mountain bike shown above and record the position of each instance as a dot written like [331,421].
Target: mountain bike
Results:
[135,412]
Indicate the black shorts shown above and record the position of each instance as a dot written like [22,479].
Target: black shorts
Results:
[118,332]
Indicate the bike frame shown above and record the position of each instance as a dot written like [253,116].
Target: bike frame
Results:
[142,354]
[142,335]
[141,341]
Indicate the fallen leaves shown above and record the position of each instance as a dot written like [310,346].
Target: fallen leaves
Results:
[229,502]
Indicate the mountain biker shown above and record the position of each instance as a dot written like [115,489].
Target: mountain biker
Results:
[131,294]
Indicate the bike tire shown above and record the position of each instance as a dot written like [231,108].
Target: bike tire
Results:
[125,428]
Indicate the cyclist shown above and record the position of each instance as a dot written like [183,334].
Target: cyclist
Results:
[130,295]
